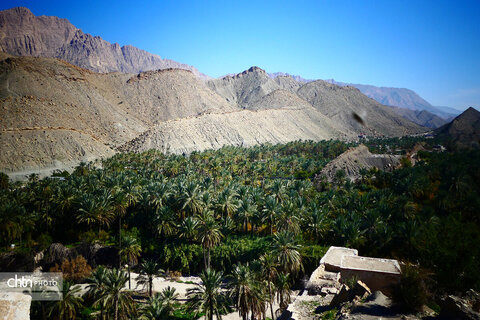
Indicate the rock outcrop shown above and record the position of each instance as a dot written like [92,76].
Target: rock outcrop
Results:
[355,159]
[23,33]
[463,131]
[95,254]
[421,117]
[465,307]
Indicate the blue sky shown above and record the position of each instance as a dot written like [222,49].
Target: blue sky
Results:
[431,47]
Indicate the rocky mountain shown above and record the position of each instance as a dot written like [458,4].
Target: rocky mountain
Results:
[421,117]
[354,110]
[405,102]
[350,110]
[61,104]
[54,114]
[23,33]
[400,97]
[463,131]
[287,75]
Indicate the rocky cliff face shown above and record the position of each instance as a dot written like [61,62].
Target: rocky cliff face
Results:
[23,33]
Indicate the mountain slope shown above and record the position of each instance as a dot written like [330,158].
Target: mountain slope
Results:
[400,97]
[22,33]
[240,128]
[246,88]
[421,117]
[254,89]
[355,111]
[463,131]
[53,114]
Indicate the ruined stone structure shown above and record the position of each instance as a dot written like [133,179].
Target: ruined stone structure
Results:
[340,264]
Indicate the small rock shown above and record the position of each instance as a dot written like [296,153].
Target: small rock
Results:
[453,307]
[342,296]
[361,290]
[328,290]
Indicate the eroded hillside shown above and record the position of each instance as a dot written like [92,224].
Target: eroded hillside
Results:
[53,113]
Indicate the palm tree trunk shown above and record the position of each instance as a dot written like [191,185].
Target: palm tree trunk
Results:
[44,313]
[116,308]
[150,283]
[270,296]
[129,283]
[210,316]
[205,257]
[119,241]
[208,257]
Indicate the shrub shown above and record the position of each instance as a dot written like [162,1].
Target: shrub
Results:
[74,270]
[311,255]
[411,291]
[351,282]
[174,275]
[95,237]
[44,240]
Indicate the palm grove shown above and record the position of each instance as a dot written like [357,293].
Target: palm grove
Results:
[250,221]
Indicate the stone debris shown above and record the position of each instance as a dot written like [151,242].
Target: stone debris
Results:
[466,307]
[14,306]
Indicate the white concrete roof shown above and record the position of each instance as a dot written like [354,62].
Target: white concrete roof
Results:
[334,255]
[370,264]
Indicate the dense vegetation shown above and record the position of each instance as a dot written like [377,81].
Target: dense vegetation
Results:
[219,210]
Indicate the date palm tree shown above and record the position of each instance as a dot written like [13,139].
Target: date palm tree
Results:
[93,211]
[169,296]
[227,202]
[246,212]
[96,287]
[148,270]
[191,199]
[286,249]
[242,289]
[282,287]
[271,210]
[129,254]
[207,297]
[269,273]
[164,221]
[188,228]
[154,309]
[160,306]
[209,234]
[116,299]
[68,307]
